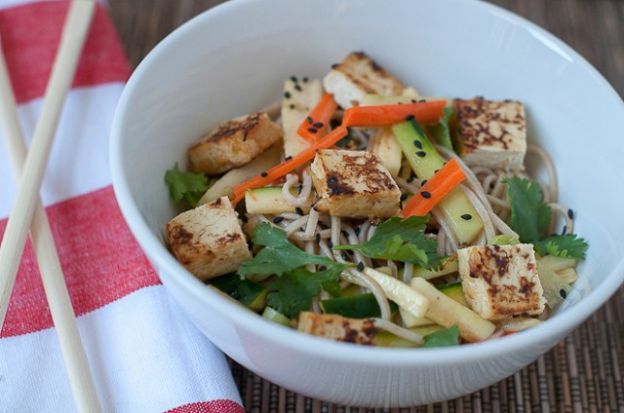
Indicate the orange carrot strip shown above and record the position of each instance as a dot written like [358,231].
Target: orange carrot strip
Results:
[289,165]
[316,123]
[436,188]
[387,115]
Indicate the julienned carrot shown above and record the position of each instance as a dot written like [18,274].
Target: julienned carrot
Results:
[436,188]
[387,115]
[317,121]
[289,165]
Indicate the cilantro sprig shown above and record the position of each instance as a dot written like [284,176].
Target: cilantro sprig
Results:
[294,287]
[531,217]
[278,255]
[187,186]
[293,292]
[400,240]
[569,246]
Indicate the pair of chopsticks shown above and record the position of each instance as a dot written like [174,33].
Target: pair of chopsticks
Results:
[27,210]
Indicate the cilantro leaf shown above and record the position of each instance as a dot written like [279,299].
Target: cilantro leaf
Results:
[441,131]
[245,291]
[569,245]
[530,215]
[443,338]
[400,240]
[293,292]
[189,186]
[279,255]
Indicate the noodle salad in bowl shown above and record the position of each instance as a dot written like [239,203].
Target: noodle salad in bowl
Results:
[360,211]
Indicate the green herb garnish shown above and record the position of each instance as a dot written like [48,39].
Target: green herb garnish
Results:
[568,246]
[530,215]
[247,292]
[189,186]
[293,291]
[278,255]
[401,240]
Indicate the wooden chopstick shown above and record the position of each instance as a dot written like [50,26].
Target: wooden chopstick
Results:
[27,206]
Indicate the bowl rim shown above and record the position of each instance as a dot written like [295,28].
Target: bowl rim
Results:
[552,328]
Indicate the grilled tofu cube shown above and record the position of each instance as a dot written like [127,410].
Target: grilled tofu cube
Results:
[208,240]
[491,133]
[300,96]
[233,143]
[338,328]
[353,184]
[501,281]
[357,76]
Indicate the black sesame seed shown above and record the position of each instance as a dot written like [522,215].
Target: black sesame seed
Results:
[421,154]
[318,125]
[563,294]
[249,245]
[564,230]
[418,144]
[299,211]
[425,194]
[335,65]
[410,117]
[570,214]
[404,197]
[298,88]
[288,158]
[287,95]
[424,181]
[413,100]
[277,220]
[291,106]
[318,238]
[294,79]
[244,218]
[312,130]
[467,217]
[305,80]
[360,266]
[330,244]
[309,119]
[264,174]
[344,256]
[357,230]
[436,171]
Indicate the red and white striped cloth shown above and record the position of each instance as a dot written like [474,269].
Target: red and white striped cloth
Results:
[145,356]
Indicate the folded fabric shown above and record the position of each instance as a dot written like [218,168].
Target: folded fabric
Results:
[144,355]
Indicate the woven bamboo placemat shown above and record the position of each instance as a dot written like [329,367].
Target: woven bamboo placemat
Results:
[584,373]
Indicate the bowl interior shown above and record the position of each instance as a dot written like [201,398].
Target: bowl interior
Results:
[212,69]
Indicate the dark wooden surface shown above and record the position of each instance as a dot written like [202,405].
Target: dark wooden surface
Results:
[584,372]
[595,28]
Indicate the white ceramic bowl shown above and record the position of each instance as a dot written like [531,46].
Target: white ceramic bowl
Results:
[233,59]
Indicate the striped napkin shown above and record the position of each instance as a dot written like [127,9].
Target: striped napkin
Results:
[145,356]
